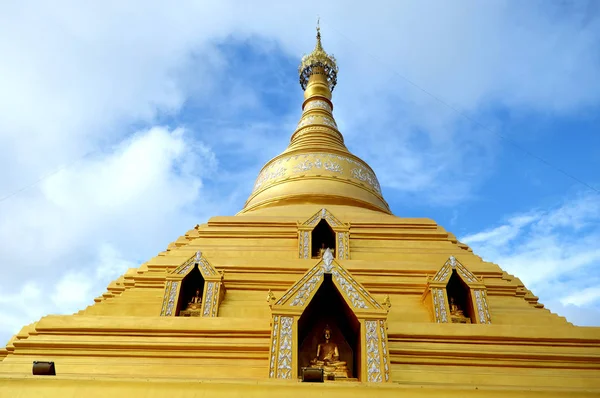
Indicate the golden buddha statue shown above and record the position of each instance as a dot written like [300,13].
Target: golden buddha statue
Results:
[456,313]
[194,306]
[328,357]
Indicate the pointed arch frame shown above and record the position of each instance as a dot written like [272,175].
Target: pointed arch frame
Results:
[436,294]
[212,294]
[372,316]
[341,230]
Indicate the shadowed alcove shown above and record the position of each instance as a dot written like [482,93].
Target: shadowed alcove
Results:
[192,282]
[322,234]
[328,308]
[461,294]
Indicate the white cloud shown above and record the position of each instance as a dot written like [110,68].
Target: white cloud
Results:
[554,252]
[586,296]
[79,78]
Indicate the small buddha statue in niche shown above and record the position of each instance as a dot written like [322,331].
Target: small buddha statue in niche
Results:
[328,357]
[194,306]
[456,313]
[195,302]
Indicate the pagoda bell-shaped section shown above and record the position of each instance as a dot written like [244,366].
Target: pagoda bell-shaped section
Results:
[328,320]
[456,295]
[195,288]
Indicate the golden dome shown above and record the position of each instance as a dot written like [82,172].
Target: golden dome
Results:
[317,167]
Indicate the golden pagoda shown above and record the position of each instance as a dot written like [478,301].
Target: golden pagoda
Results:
[313,280]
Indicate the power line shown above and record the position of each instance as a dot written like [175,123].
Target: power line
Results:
[472,120]
[42,178]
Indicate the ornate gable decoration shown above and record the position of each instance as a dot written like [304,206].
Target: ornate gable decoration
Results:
[437,296]
[286,312]
[212,294]
[443,275]
[341,230]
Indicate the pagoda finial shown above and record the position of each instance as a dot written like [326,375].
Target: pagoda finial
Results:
[318,62]
[318,46]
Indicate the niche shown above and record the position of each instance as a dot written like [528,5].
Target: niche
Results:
[328,308]
[323,237]
[190,294]
[459,300]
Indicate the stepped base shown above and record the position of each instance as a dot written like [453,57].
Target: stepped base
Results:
[63,387]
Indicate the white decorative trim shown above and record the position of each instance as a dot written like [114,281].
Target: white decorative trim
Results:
[208,299]
[317,104]
[386,367]
[482,307]
[348,288]
[305,291]
[306,120]
[329,161]
[171,302]
[439,305]
[163,310]
[373,354]
[284,356]
[367,176]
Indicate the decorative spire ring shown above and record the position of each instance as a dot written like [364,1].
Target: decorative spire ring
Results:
[318,62]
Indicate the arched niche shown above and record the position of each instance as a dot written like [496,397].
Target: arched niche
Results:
[327,294]
[456,295]
[323,228]
[460,302]
[181,285]
[322,237]
[192,287]
[328,309]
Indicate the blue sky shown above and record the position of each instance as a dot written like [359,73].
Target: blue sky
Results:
[142,120]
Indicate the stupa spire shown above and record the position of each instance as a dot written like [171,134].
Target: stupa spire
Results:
[316,167]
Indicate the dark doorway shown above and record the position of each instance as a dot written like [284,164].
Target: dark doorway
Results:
[322,236]
[458,290]
[189,285]
[328,308]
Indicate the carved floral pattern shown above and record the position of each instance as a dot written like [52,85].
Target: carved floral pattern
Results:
[284,356]
[373,353]
[348,288]
[329,122]
[328,161]
[305,291]
[386,367]
[323,214]
[306,120]
[366,176]
[439,305]
[317,104]
[342,243]
[163,311]
[171,302]
[208,299]
[307,165]
[267,175]
[482,307]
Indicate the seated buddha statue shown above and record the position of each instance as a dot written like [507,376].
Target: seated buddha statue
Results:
[195,302]
[194,306]
[328,357]
[457,314]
